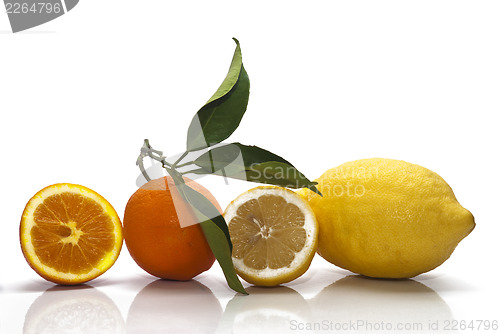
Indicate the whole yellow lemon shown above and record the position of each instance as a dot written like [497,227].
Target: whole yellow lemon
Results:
[387,218]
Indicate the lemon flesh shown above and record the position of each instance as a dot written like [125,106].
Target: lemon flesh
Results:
[387,218]
[274,235]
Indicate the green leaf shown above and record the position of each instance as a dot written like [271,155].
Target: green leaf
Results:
[205,207]
[222,253]
[214,227]
[222,114]
[235,153]
[232,75]
[254,164]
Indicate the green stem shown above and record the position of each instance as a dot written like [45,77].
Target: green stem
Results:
[184,164]
[148,151]
[171,172]
[180,159]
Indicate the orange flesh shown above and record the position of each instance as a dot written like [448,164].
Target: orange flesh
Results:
[72,233]
[267,232]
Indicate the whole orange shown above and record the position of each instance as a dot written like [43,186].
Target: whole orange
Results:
[162,234]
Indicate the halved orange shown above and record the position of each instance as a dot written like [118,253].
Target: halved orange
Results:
[70,234]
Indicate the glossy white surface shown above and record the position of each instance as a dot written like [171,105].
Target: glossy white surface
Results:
[324,300]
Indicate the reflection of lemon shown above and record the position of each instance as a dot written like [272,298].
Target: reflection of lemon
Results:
[387,218]
[274,235]
[279,310]
[369,302]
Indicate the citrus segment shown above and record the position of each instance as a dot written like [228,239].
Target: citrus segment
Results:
[70,234]
[274,235]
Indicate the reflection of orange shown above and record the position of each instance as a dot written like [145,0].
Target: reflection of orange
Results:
[174,307]
[75,309]
[161,233]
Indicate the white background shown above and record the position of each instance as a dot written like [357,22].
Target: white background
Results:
[331,81]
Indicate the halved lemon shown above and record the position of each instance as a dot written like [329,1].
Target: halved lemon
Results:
[70,234]
[274,234]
